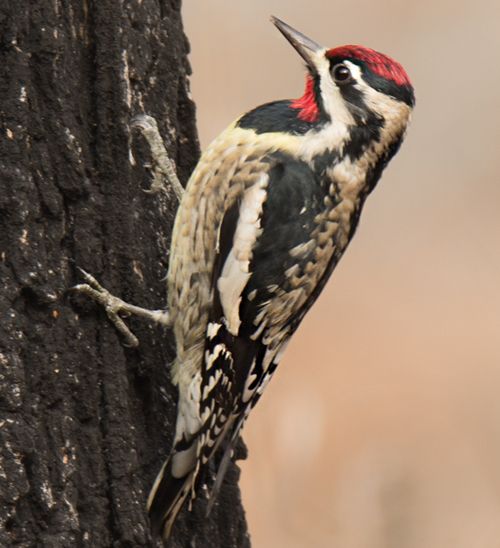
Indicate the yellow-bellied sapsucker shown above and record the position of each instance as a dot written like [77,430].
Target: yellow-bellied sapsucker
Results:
[264,219]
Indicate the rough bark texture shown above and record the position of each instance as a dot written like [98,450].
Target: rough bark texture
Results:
[84,422]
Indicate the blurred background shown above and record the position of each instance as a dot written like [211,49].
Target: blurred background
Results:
[381,428]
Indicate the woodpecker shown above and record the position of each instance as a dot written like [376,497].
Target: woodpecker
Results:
[264,219]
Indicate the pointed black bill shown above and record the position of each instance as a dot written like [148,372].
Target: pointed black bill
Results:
[305,47]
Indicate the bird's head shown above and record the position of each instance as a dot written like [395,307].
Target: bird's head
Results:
[353,85]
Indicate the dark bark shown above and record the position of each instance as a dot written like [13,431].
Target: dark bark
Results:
[85,422]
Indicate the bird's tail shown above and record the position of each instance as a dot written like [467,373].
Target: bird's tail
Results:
[166,498]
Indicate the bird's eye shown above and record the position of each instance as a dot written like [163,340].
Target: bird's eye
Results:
[341,74]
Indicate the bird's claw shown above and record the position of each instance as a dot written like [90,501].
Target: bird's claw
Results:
[111,304]
[163,167]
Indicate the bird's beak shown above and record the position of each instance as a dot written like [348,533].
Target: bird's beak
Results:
[305,47]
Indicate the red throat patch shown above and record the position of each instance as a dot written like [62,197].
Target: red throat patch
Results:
[378,63]
[307,105]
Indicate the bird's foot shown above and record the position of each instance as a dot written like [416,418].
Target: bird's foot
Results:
[114,306]
[163,167]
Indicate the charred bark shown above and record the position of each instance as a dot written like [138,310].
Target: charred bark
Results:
[85,422]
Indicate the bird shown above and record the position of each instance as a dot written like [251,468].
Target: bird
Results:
[264,219]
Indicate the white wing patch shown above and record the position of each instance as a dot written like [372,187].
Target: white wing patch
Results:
[235,273]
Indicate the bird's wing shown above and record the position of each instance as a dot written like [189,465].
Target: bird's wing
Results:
[263,282]
[273,256]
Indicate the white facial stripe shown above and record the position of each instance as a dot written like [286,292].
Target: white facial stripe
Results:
[335,134]
[332,98]
[355,70]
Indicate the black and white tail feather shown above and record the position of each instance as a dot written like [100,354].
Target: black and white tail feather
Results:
[221,413]
[166,499]
[227,391]
[169,493]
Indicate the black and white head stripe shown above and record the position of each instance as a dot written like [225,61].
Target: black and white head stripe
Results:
[378,70]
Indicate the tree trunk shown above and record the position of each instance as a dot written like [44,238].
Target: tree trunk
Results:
[85,423]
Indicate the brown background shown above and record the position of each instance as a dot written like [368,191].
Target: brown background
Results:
[381,428]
